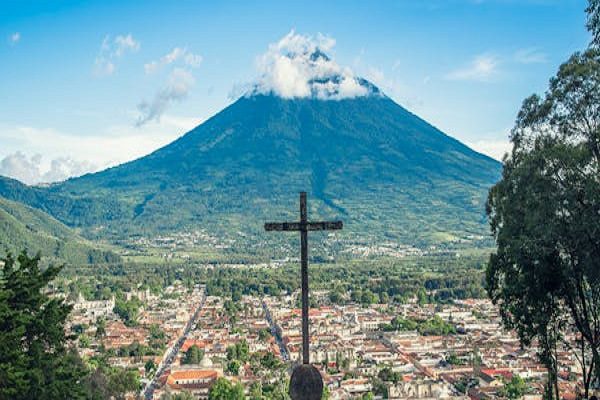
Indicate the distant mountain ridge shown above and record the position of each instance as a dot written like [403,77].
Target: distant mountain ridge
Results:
[385,171]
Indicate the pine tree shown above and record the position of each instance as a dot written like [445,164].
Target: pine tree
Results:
[35,362]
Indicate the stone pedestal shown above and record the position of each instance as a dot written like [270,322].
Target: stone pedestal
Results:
[306,383]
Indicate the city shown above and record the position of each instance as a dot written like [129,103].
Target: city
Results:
[397,351]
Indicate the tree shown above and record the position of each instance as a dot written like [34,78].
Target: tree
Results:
[387,375]
[264,335]
[193,355]
[256,391]
[157,339]
[453,359]
[336,296]
[514,389]
[326,393]
[269,361]
[34,361]
[380,388]
[84,341]
[123,381]
[100,328]
[222,389]
[234,367]
[177,396]
[149,367]
[128,311]
[367,396]
[593,23]
[545,273]
[107,382]
[239,351]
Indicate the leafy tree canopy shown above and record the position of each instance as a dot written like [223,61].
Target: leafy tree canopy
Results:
[544,215]
[222,389]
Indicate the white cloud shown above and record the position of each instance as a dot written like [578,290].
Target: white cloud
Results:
[187,58]
[14,38]
[297,66]
[482,68]
[111,50]
[29,170]
[67,154]
[376,75]
[20,167]
[192,60]
[530,55]
[178,87]
[493,148]
[124,44]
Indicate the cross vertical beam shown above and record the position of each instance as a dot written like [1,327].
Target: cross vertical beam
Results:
[303,226]
[304,276]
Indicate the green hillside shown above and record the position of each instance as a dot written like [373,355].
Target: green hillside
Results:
[23,227]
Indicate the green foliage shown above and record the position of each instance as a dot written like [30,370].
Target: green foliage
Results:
[276,391]
[464,384]
[446,277]
[193,355]
[138,350]
[222,389]
[326,393]
[238,351]
[149,367]
[178,396]
[255,392]
[22,227]
[34,362]
[106,382]
[100,328]
[128,310]
[593,22]
[233,367]
[431,327]
[453,359]
[367,396]
[336,296]
[436,327]
[158,339]
[123,381]
[264,335]
[387,375]
[380,388]
[84,341]
[401,324]
[269,361]
[514,389]
[544,217]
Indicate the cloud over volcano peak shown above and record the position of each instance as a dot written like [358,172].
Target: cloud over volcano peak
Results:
[297,66]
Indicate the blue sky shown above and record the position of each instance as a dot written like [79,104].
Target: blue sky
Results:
[85,85]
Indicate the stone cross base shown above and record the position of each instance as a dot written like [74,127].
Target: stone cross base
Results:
[306,383]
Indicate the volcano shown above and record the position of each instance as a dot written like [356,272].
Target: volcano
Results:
[367,160]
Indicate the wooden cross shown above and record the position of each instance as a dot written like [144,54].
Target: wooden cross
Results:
[303,227]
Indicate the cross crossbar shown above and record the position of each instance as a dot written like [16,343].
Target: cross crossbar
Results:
[299,226]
